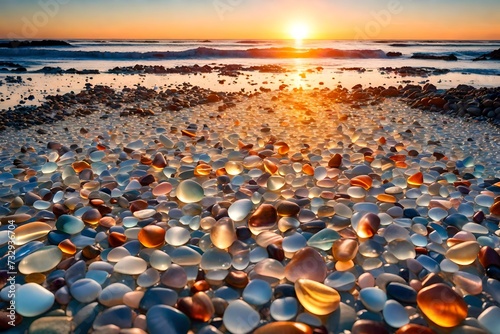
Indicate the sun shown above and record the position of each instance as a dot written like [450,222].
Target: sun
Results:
[299,31]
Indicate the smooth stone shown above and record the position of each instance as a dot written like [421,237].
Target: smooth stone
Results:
[345,249]
[162,189]
[489,319]
[263,219]
[148,278]
[160,260]
[395,314]
[215,259]
[240,209]
[120,316]
[283,309]
[368,225]
[185,256]
[52,325]
[112,295]
[189,191]
[401,292]
[177,236]
[402,249]
[30,231]
[306,263]
[373,299]
[69,224]
[257,292]
[240,318]
[223,233]
[324,239]
[131,265]
[287,209]
[368,326]
[294,242]
[174,277]
[42,260]
[463,253]
[342,319]
[199,307]
[270,268]
[442,305]
[287,327]
[472,284]
[33,300]
[158,296]
[488,256]
[151,236]
[85,290]
[341,281]
[316,297]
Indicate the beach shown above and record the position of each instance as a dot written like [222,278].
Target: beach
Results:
[250,195]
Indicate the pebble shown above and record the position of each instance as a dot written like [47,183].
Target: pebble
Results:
[42,260]
[85,290]
[240,318]
[33,300]
[395,314]
[373,299]
[257,292]
[442,305]
[316,297]
[306,263]
[489,319]
[189,191]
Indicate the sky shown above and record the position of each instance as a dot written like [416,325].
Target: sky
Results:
[249,19]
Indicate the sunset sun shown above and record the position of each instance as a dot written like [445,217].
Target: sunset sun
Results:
[299,31]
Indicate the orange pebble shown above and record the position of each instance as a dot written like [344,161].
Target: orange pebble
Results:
[363,181]
[416,180]
[67,247]
[151,236]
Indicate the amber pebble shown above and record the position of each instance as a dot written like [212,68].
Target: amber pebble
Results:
[306,263]
[96,202]
[202,170]
[270,166]
[116,239]
[199,307]
[146,161]
[30,231]
[386,198]
[78,166]
[91,216]
[138,205]
[287,327]
[368,327]
[368,225]
[442,305]
[67,247]
[316,297]
[237,279]
[200,286]
[37,278]
[91,252]
[151,236]
[283,147]
[495,208]
[107,222]
[287,209]
[223,233]
[488,256]
[363,181]
[416,180]
[308,169]
[414,329]
[463,253]
[159,161]
[335,161]
[345,249]
[264,218]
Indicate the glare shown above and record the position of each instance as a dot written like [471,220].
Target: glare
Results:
[299,31]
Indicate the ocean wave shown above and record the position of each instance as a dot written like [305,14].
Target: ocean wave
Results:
[197,53]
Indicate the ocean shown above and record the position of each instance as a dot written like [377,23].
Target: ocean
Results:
[105,54]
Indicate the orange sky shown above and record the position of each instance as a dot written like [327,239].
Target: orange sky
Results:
[257,19]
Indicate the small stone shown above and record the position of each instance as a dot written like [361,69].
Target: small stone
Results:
[463,253]
[442,305]
[33,300]
[189,191]
[240,318]
[151,236]
[306,263]
[373,299]
[316,297]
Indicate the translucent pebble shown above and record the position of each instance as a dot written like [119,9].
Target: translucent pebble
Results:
[117,253]
[402,249]
[437,214]
[448,266]
[475,228]
[240,209]
[151,236]
[174,277]
[69,224]
[85,290]
[32,300]
[306,263]
[468,282]
[162,189]
[185,256]
[463,253]
[393,232]
[131,265]
[44,259]
[323,239]
[240,318]
[215,259]
[283,309]
[30,231]
[356,192]
[366,280]
[316,297]
[345,249]
[341,281]
[342,210]
[49,167]
[223,233]
[373,299]
[368,225]
[177,236]
[451,309]
[160,260]
[257,292]
[189,191]
[275,183]
[270,268]
[395,314]
[294,242]
[489,319]
[148,278]
[112,295]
